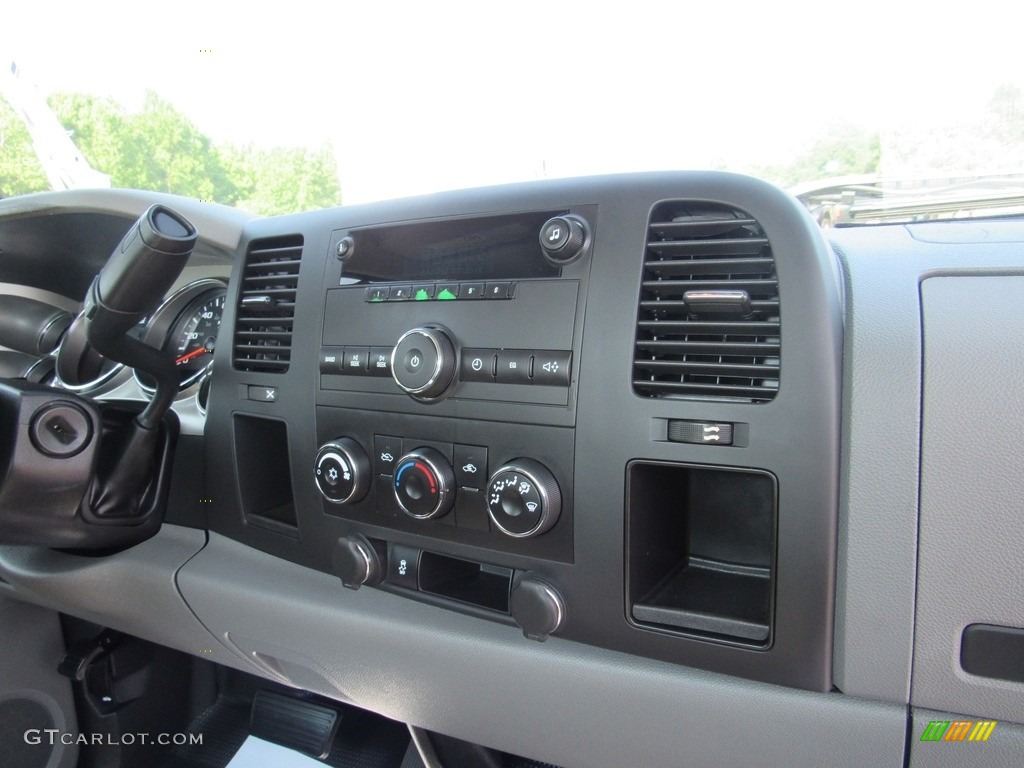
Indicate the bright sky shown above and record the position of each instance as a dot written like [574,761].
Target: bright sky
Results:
[422,96]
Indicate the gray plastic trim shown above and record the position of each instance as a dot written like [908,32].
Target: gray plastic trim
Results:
[971,567]
[878,482]
[133,591]
[560,701]
[877,565]
[1004,748]
[32,645]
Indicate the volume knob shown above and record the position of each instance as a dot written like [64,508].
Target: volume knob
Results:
[423,363]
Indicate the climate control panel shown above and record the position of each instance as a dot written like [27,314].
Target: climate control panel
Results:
[459,488]
[521,499]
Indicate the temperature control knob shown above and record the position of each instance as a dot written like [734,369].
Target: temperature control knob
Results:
[423,363]
[342,471]
[424,484]
[523,498]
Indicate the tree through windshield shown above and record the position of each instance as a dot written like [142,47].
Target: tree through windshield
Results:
[272,121]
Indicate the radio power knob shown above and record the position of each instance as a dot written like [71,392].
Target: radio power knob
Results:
[523,499]
[423,363]
[342,471]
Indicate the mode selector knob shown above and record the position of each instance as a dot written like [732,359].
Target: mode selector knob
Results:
[523,498]
[342,471]
[424,484]
[423,363]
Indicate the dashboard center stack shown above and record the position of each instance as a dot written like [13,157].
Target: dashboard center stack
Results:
[603,409]
[459,335]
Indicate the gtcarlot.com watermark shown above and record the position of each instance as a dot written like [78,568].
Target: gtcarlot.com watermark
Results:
[53,737]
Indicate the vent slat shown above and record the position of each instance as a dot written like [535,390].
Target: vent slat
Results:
[269,365]
[709,369]
[266,321]
[263,334]
[286,266]
[722,390]
[712,328]
[282,291]
[742,247]
[279,351]
[699,227]
[267,280]
[765,307]
[683,347]
[679,287]
[267,253]
[750,266]
[701,246]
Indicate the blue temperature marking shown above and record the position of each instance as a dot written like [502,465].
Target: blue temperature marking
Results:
[401,469]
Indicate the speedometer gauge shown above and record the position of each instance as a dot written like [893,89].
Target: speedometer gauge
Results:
[186,328]
[194,335]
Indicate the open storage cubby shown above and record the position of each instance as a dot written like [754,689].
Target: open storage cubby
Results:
[700,554]
[261,450]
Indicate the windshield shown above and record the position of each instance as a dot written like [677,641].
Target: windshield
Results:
[305,105]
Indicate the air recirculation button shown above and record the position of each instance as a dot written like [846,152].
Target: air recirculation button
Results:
[523,499]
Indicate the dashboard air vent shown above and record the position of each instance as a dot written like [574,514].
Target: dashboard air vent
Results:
[708,323]
[266,305]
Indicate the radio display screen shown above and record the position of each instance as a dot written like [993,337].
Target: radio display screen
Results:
[484,248]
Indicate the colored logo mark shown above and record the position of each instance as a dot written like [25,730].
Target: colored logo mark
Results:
[446,295]
[958,730]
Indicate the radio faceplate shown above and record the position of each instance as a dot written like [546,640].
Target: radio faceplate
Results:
[515,339]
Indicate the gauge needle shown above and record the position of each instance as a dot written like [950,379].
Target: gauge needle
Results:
[190,355]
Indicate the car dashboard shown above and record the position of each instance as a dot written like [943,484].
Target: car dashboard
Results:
[637,469]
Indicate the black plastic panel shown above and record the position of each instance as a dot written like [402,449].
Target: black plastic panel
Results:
[990,651]
[700,550]
[587,433]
